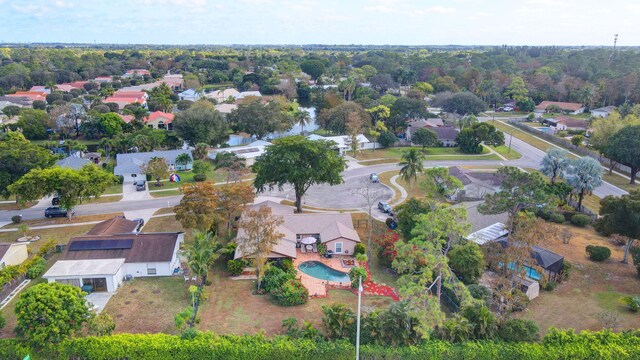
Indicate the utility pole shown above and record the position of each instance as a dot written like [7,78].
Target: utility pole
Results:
[358,321]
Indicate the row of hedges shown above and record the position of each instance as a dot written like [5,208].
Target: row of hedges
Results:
[556,345]
[32,267]
[576,219]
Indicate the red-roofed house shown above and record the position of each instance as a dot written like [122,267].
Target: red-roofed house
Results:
[31,95]
[160,120]
[75,84]
[130,94]
[566,107]
[123,101]
[126,118]
[40,89]
[138,72]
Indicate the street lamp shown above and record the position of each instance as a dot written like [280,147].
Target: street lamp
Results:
[358,321]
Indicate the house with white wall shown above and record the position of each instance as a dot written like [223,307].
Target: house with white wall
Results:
[13,254]
[102,262]
[130,165]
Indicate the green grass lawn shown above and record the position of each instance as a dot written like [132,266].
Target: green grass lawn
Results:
[524,136]
[510,154]
[114,189]
[396,152]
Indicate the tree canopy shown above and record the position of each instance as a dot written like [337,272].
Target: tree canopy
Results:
[257,119]
[300,162]
[17,157]
[469,140]
[201,123]
[621,215]
[624,147]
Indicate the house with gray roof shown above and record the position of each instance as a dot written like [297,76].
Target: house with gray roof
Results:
[334,230]
[73,162]
[130,165]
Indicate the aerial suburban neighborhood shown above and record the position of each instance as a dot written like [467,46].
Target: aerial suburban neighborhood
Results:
[259,201]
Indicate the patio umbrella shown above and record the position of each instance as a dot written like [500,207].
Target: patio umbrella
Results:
[308,240]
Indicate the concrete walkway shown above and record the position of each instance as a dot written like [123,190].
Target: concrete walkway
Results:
[403,192]
[129,192]
[98,300]
[144,214]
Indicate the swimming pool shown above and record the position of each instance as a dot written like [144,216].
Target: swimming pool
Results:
[547,130]
[319,270]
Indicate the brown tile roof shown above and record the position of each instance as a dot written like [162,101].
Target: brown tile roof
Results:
[562,105]
[146,247]
[117,225]
[571,122]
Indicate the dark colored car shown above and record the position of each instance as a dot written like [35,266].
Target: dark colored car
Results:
[54,211]
[141,187]
[139,183]
[140,222]
[385,208]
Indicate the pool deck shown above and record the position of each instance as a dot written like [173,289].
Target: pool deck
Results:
[318,287]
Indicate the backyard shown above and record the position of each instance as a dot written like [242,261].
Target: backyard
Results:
[592,289]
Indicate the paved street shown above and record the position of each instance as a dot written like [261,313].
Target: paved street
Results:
[323,196]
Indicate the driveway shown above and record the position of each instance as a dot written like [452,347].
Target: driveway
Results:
[129,192]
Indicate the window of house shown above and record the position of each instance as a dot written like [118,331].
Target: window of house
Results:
[134,175]
[338,248]
[151,269]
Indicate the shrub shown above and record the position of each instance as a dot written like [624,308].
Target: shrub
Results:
[148,177]
[632,302]
[549,285]
[286,265]
[480,292]
[580,220]
[322,249]
[119,179]
[235,267]
[274,278]
[467,261]
[388,222]
[291,293]
[520,300]
[16,219]
[567,268]
[3,321]
[557,218]
[359,249]
[598,253]
[519,330]
[36,268]
[199,177]
[355,273]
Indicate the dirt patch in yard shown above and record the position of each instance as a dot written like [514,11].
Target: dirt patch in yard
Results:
[593,288]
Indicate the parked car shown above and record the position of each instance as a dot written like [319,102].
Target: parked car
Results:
[374,178]
[141,187]
[55,200]
[55,211]
[140,222]
[508,108]
[385,208]
[139,182]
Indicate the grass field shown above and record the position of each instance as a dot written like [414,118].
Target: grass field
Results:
[396,153]
[64,220]
[510,154]
[524,136]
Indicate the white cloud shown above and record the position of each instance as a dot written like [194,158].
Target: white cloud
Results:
[381,9]
[63,4]
[435,10]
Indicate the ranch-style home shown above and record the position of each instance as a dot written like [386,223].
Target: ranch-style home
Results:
[102,259]
[12,254]
[334,230]
[130,165]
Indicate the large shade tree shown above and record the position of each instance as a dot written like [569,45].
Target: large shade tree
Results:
[198,206]
[17,157]
[624,147]
[300,162]
[201,123]
[257,119]
[621,215]
[72,186]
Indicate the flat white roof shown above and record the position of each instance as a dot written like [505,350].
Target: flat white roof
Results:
[488,234]
[84,267]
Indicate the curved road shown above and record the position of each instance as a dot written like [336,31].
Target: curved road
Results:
[323,196]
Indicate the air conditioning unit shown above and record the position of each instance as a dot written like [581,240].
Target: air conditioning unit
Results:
[128,277]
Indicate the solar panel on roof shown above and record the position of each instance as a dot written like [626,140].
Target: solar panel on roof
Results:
[107,244]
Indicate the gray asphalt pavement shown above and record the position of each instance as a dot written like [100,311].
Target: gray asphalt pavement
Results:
[323,196]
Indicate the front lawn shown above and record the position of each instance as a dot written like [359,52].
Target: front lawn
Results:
[396,153]
[510,154]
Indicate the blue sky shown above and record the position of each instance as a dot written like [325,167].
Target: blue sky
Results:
[406,22]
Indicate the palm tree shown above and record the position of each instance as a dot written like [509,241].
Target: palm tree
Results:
[412,164]
[302,118]
[202,253]
[337,320]
[183,159]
